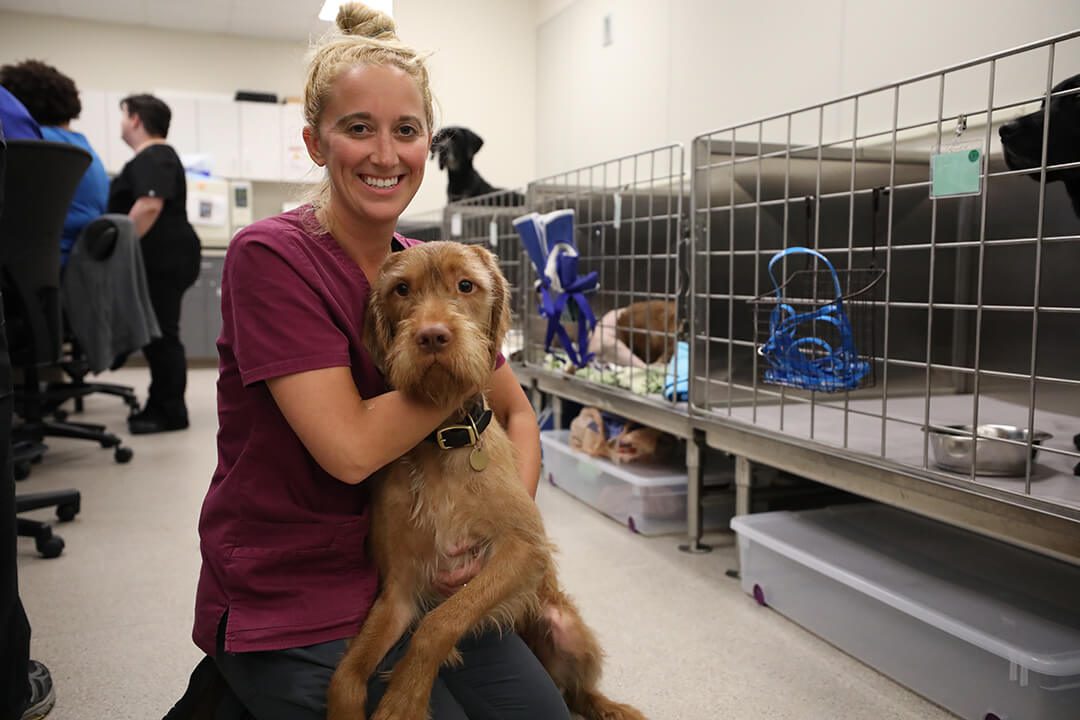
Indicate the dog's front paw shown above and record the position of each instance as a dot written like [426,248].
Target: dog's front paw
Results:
[346,701]
[397,705]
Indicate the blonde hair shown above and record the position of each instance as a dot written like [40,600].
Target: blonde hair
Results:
[364,37]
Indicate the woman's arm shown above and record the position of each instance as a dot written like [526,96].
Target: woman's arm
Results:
[350,437]
[515,413]
[144,213]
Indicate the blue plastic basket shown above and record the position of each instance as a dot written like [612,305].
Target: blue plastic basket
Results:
[815,329]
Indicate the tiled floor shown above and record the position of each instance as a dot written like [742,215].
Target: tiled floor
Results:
[112,616]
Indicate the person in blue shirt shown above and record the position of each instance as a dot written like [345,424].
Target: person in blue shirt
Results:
[53,101]
[17,123]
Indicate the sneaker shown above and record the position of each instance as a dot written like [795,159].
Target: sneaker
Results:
[42,696]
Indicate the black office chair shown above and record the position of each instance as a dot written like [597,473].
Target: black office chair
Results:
[40,181]
[98,240]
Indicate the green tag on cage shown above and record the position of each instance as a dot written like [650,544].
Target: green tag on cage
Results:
[953,174]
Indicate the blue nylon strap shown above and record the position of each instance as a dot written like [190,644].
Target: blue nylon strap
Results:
[537,238]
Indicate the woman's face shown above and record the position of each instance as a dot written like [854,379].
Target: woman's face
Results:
[373,141]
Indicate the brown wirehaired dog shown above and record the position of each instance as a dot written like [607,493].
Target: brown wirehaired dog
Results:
[436,321]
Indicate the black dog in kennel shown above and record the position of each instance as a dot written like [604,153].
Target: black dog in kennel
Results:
[1022,138]
[456,147]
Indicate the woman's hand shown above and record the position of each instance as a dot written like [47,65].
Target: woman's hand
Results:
[466,563]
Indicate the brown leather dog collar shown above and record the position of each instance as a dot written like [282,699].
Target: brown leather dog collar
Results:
[464,434]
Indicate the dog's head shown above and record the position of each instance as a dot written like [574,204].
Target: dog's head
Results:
[455,147]
[1022,138]
[437,318]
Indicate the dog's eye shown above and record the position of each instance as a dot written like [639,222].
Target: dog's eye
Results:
[402,289]
[465,286]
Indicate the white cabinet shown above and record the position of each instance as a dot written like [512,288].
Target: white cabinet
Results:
[116,152]
[260,141]
[100,123]
[296,163]
[218,129]
[183,127]
[240,140]
[91,122]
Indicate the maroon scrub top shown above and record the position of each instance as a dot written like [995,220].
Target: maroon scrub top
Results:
[283,542]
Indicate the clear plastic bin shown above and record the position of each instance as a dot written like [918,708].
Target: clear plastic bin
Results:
[987,630]
[649,499]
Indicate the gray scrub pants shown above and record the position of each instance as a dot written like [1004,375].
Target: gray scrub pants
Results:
[500,679]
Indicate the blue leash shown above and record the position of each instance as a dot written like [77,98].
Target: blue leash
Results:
[799,358]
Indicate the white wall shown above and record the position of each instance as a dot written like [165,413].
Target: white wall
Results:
[483,74]
[684,67]
[125,58]
[482,66]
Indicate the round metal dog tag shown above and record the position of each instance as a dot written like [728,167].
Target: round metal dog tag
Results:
[478,459]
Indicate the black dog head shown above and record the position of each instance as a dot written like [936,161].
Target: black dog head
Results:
[455,147]
[1021,139]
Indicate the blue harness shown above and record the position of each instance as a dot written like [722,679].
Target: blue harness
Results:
[549,241]
[796,356]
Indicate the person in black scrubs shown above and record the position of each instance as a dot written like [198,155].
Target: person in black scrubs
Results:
[152,191]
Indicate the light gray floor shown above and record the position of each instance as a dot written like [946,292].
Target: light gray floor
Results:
[112,616]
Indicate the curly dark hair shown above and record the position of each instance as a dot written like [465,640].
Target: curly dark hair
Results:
[49,95]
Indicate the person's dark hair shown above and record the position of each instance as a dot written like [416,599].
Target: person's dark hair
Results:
[48,94]
[154,113]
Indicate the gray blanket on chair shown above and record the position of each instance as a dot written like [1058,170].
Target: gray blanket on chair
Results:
[105,295]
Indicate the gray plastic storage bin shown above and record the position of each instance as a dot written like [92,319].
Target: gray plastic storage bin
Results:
[649,499]
[980,627]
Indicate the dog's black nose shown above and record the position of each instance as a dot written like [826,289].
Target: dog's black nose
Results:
[434,338]
[1008,130]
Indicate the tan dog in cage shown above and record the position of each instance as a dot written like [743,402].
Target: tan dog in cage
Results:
[637,335]
[436,321]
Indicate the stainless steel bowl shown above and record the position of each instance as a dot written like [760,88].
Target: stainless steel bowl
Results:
[953,444]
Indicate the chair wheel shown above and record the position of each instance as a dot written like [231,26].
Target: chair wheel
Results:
[51,547]
[123,454]
[60,415]
[67,513]
[21,470]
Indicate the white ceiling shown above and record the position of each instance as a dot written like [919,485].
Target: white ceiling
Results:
[277,19]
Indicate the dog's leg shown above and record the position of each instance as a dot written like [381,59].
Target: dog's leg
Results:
[388,620]
[512,570]
[572,656]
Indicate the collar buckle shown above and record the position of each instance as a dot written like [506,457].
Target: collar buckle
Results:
[443,443]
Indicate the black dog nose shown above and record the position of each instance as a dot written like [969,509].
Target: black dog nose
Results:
[434,338]
[1009,130]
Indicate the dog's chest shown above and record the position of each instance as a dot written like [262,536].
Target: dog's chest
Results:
[449,500]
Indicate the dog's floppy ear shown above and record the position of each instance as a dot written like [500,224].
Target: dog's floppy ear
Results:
[473,142]
[499,321]
[378,331]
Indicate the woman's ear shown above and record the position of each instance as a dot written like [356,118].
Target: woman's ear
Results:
[311,140]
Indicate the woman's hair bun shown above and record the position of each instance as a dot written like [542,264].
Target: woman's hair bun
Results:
[359,20]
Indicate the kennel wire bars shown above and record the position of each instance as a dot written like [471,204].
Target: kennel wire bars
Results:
[487,220]
[628,229]
[980,318]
